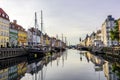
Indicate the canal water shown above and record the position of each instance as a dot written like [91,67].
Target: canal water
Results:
[68,65]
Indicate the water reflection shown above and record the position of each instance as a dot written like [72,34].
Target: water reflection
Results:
[111,70]
[13,69]
[68,65]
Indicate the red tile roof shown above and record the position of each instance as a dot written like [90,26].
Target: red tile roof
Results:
[17,27]
[3,14]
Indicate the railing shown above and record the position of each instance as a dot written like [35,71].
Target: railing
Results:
[11,52]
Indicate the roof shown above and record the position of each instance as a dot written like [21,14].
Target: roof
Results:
[17,27]
[3,14]
[99,31]
[93,34]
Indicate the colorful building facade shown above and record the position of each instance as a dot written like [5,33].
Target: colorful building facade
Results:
[22,36]
[47,40]
[4,28]
[106,28]
[34,36]
[13,34]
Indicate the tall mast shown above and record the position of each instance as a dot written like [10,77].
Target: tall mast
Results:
[62,41]
[41,21]
[66,40]
[57,36]
[62,37]
[36,27]
[35,20]
[42,42]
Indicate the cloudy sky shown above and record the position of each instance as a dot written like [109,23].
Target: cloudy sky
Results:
[72,18]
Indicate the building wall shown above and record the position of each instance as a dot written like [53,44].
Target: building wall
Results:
[38,40]
[34,37]
[53,42]
[13,37]
[106,27]
[88,42]
[30,38]
[104,34]
[47,41]
[4,32]
[98,41]
[22,38]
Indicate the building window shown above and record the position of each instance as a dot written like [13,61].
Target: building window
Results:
[3,15]
[13,26]
[107,27]
[1,33]
[4,40]
[107,32]
[6,16]
[1,40]
[108,38]
[18,27]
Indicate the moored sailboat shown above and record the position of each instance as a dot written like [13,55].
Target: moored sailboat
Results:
[36,48]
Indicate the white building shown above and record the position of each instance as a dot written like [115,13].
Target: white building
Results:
[97,41]
[106,27]
[33,37]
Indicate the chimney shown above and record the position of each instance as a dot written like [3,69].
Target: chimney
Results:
[15,21]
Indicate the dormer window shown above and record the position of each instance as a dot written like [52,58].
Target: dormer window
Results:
[3,15]
[13,26]
[6,16]
[18,27]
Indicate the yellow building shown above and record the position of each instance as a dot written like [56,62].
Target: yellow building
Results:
[47,40]
[22,34]
[87,41]
[4,28]
[22,37]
